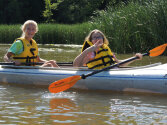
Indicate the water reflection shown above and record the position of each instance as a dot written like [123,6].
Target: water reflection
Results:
[62,107]
[37,106]
[22,105]
[137,109]
[62,110]
[18,105]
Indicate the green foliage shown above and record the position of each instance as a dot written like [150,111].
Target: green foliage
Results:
[72,11]
[49,6]
[47,13]
[18,11]
[134,26]
[8,33]
[48,33]
[130,27]
[51,11]
[62,34]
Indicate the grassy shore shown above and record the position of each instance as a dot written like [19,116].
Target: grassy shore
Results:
[134,27]
[130,27]
[48,33]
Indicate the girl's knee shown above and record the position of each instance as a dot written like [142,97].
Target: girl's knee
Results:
[52,61]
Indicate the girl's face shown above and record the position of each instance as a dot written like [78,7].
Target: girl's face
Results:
[96,37]
[30,31]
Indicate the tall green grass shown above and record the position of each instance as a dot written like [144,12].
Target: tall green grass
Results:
[8,33]
[48,33]
[130,27]
[134,26]
[62,34]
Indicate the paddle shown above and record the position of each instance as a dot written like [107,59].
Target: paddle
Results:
[67,83]
[37,63]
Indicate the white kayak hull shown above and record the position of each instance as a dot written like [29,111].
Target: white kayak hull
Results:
[152,79]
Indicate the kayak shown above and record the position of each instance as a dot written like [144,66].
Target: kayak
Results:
[150,78]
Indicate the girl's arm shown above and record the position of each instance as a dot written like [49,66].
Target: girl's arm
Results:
[84,57]
[139,55]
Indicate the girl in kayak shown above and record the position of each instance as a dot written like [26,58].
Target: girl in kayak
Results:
[24,50]
[96,54]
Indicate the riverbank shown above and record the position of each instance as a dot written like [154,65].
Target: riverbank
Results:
[130,27]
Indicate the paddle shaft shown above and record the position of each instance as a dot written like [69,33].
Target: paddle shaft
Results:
[66,83]
[37,63]
[83,76]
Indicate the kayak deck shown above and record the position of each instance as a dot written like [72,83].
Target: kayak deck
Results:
[151,78]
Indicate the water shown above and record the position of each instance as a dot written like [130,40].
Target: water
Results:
[29,105]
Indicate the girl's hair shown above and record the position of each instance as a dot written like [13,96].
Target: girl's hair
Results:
[24,26]
[89,37]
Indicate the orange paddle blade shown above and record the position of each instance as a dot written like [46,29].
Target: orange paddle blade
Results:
[158,50]
[63,84]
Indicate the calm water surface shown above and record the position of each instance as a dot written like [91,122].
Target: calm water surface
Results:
[29,105]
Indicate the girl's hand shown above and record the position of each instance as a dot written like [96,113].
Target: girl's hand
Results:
[139,55]
[17,63]
[98,44]
[91,55]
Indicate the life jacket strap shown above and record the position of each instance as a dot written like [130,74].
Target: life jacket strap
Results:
[29,61]
[111,61]
[32,57]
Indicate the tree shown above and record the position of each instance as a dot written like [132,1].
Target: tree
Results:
[49,6]
[72,11]
[18,11]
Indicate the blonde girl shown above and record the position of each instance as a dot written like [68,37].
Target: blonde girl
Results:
[24,50]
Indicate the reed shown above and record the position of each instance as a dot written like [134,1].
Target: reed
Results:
[8,33]
[62,33]
[134,27]
[49,33]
